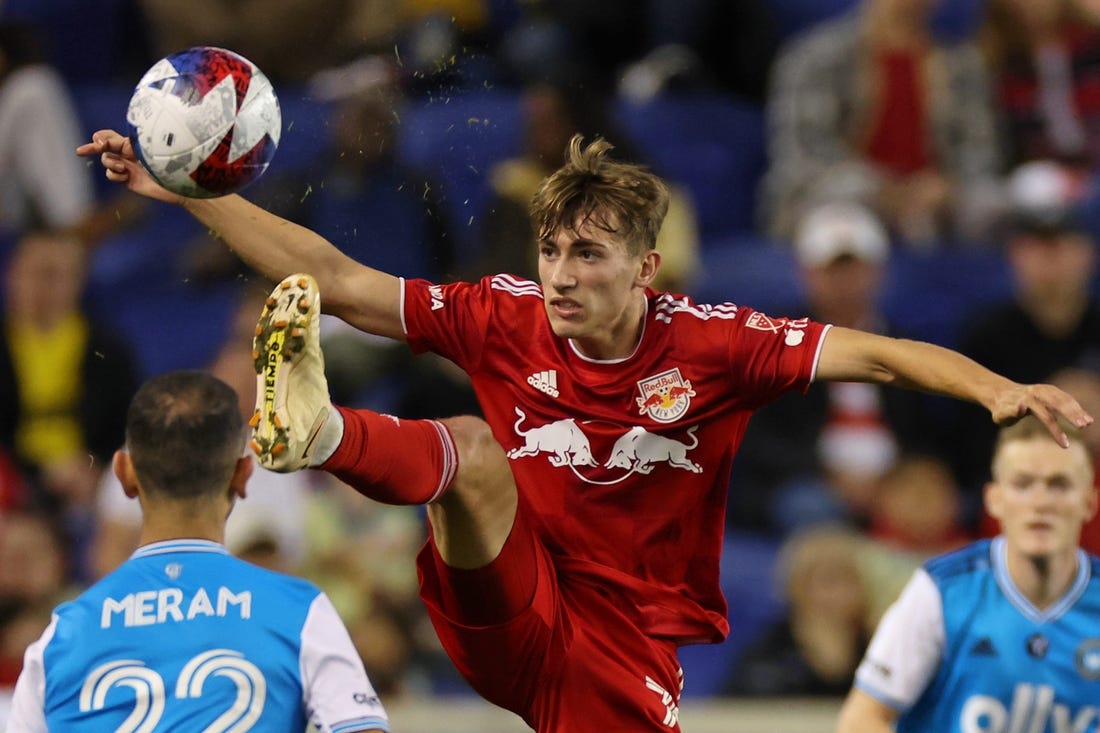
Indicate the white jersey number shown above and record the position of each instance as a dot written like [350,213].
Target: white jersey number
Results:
[150,692]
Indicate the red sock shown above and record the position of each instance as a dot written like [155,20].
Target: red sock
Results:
[394,461]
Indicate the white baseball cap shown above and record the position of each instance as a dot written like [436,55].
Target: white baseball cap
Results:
[839,228]
[1045,196]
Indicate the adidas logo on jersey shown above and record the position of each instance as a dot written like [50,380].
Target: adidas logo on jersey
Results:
[984,648]
[545,382]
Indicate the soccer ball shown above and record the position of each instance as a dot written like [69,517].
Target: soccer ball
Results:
[204,122]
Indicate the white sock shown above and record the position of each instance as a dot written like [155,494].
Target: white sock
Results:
[328,438]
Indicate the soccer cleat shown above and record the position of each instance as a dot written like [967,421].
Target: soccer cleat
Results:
[292,400]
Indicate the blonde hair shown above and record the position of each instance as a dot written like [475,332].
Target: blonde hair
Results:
[1030,427]
[621,198]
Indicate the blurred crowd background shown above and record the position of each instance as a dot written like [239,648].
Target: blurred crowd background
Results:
[922,168]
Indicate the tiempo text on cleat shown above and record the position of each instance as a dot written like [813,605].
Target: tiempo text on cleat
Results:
[292,402]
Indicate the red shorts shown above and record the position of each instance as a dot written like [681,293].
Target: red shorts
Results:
[571,661]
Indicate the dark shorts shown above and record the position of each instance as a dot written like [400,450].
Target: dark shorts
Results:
[569,662]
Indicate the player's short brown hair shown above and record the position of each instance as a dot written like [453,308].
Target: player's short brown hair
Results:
[184,432]
[622,198]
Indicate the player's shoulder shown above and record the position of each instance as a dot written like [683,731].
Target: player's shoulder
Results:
[966,560]
[202,562]
[511,286]
[668,308]
[1094,565]
[291,586]
[500,292]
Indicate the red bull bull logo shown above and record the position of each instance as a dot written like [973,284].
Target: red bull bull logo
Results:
[665,397]
[565,444]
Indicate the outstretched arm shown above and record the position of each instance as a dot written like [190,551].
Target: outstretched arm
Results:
[365,298]
[848,355]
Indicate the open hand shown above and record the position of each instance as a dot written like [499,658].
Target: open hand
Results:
[1044,401]
[122,166]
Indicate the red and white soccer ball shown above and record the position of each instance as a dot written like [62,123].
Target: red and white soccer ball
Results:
[204,122]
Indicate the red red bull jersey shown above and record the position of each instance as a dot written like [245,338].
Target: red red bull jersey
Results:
[624,465]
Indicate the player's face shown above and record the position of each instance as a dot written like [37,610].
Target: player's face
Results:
[1042,494]
[594,289]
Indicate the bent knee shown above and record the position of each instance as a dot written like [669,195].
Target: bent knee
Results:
[478,450]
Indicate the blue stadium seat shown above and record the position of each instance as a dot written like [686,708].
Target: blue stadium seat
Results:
[795,16]
[82,45]
[932,295]
[455,139]
[135,286]
[748,270]
[927,295]
[100,106]
[953,19]
[748,581]
[712,145]
[305,136]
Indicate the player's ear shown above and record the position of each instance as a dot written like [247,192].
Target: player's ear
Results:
[651,262]
[241,473]
[1091,503]
[991,497]
[124,470]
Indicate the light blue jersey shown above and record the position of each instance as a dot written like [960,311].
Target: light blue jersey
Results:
[185,637]
[963,650]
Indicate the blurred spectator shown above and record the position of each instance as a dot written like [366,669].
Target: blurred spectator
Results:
[815,649]
[34,576]
[358,195]
[368,196]
[119,53]
[819,456]
[363,555]
[13,486]
[872,105]
[45,185]
[25,624]
[289,40]
[65,380]
[34,560]
[712,44]
[918,509]
[445,45]
[574,41]
[552,114]
[1052,320]
[1045,63]
[267,529]
[723,46]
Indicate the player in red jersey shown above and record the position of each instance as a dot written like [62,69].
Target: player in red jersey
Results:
[618,410]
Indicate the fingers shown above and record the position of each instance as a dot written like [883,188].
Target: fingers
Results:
[1051,404]
[103,141]
[1049,418]
[1068,407]
[113,162]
